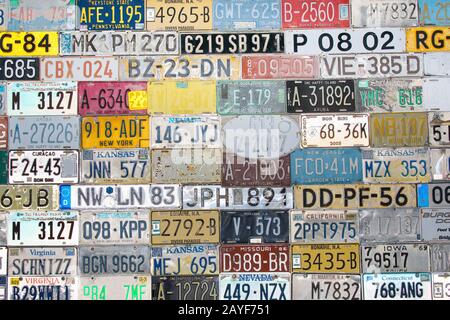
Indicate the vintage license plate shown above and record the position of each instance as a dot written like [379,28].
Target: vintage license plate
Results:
[40,261]
[433,12]
[181,15]
[399,129]
[435,224]
[114,227]
[435,98]
[325,258]
[120,196]
[28,197]
[433,195]
[3,261]
[441,286]
[3,133]
[202,166]
[428,39]
[185,132]
[3,217]
[42,98]
[42,288]
[217,197]
[185,260]
[315,14]
[3,283]
[3,98]
[80,69]
[115,166]
[185,288]
[22,44]
[279,67]
[250,97]
[264,226]
[232,43]
[112,15]
[440,258]
[43,167]
[318,96]
[19,69]
[397,286]
[4,164]
[115,288]
[371,66]
[169,97]
[439,126]
[347,130]
[324,226]
[396,165]
[117,43]
[326,287]
[177,227]
[4,13]
[355,196]
[436,63]
[189,67]
[115,132]
[390,95]
[44,132]
[384,13]
[49,228]
[255,286]
[246,15]
[390,225]
[326,166]
[254,258]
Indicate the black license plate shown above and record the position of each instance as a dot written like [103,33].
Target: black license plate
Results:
[185,288]
[19,69]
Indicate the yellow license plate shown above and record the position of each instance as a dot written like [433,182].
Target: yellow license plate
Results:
[355,196]
[325,258]
[428,39]
[179,15]
[169,97]
[185,227]
[20,44]
[115,132]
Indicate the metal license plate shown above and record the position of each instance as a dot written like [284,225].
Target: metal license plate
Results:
[325,258]
[264,226]
[19,69]
[326,166]
[390,95]
[3,282]
[434,12]
[41,98]
[3,98]
[115,166]
[22,44]
[428,39]
[110,260]
[4,17]
[28,197]
[324,226]
[120,196]
[185,227]
[441,286]
[115,288]
[115,132]
[3,262]
[436,63]
[4,164]
[254,258]
[246,15]
[185,260]
[390,225]
[3,133]
[80,69]
[42,288]
[433,195]
[232,43]
[189,67]
[202,166]
[185,132]
[334,130]
[318,96]
[371,66]
[255,286]
[439,126]
[113,15]
[279,67]
[250,97]
[440,258]
[42,261]
[315,14]
[185,288]
[434,97]
[435,224]
[355,196]
[384,13]
[397,286]
[217,197]
[396,165]
[44,132]
[169,97]
[399,129]
[3,217]
[326,287]
[114,227]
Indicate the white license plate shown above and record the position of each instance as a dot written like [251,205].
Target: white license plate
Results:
[326,287]
[439,126]
[440,164]
[43,167]
[335,131]
[3,261]
[115,288]
[435,224]
[42,288]
[434,98]
[397,286]
[436,63]
[384,13]
[440,257]
[441,286]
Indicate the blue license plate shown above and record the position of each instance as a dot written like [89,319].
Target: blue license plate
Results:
[434,12]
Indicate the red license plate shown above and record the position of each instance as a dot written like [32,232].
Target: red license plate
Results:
[3,132]
[279,67]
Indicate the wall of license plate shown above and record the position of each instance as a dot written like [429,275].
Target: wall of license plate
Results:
[234,150]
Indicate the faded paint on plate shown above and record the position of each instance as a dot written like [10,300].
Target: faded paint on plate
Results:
[279,67]
[3,263]
[3,217]
[3,133]
[433,12]
[436,63]
[435,224]
[28,197]
[313,286]
[439,126]
[434,97]
[440,164]
[384,13]
[441,285]
[440,257]
[115,288]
